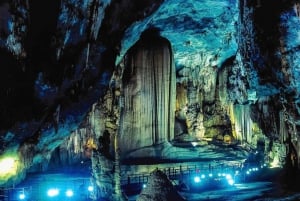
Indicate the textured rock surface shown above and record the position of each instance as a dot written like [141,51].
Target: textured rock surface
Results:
[149,94]
[159,188]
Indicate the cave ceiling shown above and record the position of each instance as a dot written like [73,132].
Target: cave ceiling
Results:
[197,30]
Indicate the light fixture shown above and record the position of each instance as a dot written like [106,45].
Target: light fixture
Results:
[194,144]
[90,188]
[69,193]
[9,166]
[230,182]
[22,196]
[53,192]
[196,179]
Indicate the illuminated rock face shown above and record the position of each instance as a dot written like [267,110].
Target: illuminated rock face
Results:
[149,94]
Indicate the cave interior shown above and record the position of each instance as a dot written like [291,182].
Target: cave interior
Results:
[149,100]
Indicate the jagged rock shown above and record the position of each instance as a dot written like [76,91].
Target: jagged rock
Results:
[159,188]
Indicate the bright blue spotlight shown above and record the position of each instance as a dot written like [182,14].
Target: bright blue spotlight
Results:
[230,182]
[22,196]
[202,176]
[90,188]
[69,193]
[219,174]
[144,185]
[196,179]
[228,177]
[210,175]
[53,192]
[247,172]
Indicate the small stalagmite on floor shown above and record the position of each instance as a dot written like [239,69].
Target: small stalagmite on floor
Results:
[159,188]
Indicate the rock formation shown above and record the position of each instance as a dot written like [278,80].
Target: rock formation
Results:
[149,93]
[159,188]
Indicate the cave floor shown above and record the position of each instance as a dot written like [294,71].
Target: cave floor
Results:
[261,187]
[250,191]
[202,159]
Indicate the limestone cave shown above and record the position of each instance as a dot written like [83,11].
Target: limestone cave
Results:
[149,100]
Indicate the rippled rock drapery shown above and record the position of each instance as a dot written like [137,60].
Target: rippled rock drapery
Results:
[149,94]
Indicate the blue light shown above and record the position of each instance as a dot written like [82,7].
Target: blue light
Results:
[196,179]
[22,196]
[202,176]
[144,185]
[247,172]
[228,177]
[210,175]
[69,193]
[90,188]
[230,182]
[53,192]
[219,174]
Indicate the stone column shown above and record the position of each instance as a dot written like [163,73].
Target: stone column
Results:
[149,82]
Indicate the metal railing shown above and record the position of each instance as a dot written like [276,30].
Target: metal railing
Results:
[180,171]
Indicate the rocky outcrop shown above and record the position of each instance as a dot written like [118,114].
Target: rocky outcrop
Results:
[159,188]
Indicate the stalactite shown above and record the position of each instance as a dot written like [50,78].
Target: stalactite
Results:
[96,16]
[20,17]
[242,122]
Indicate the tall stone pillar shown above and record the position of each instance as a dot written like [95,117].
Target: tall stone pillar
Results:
[149,85]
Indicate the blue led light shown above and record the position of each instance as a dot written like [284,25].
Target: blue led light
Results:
[22,196]
[196,179]
[230,182]
[228,177]
[53,192]
[90,188]
[69,193]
